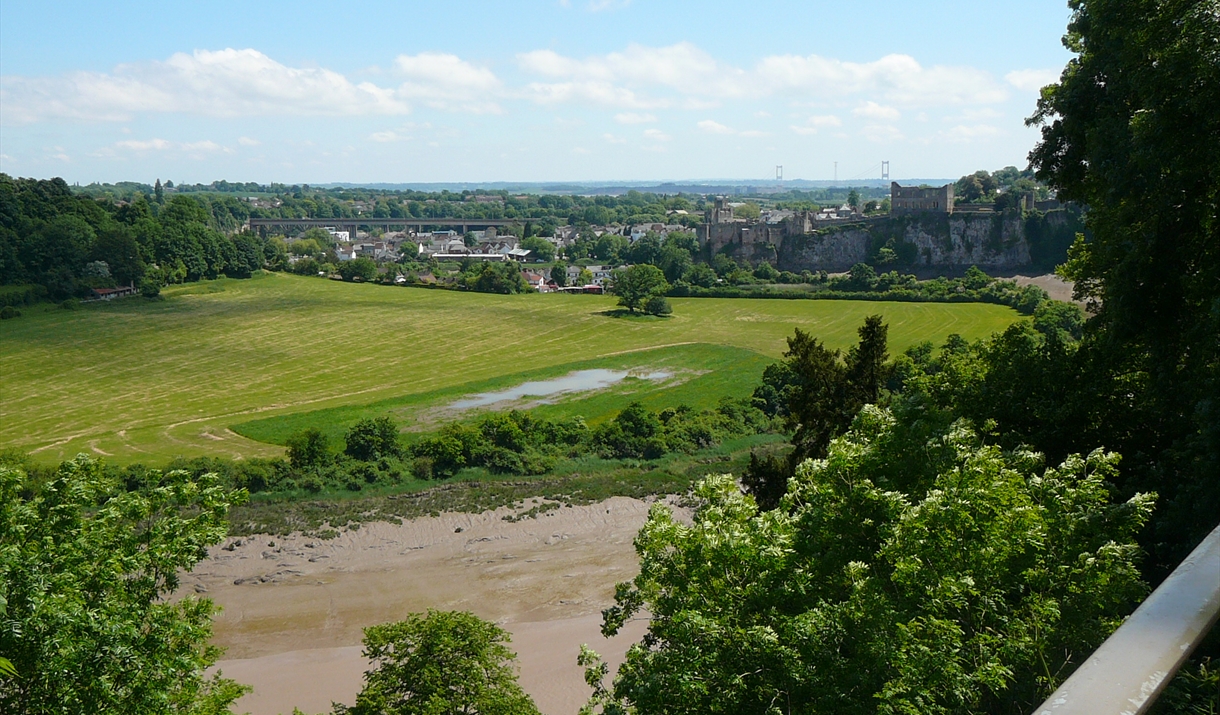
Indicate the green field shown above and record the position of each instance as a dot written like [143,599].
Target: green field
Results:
[140,381]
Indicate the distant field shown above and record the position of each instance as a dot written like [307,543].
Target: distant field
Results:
[139,381]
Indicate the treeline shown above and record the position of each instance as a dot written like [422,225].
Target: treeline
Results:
[70,244]
[305,201]
[863,282]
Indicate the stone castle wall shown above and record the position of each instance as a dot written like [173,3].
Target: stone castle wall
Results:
[996,241]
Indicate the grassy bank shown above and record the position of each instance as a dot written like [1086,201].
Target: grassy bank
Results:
[573,482]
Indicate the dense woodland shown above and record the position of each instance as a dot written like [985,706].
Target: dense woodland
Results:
[953,530]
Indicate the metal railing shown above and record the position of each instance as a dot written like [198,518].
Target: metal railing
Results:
[1129,671]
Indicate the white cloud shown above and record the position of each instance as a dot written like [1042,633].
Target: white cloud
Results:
[700,79]
[384,137]
[872,110]
[634,118]
[444,81]
[247,141]
[816,122]
[223,83]
[198,148]
[882,133]
[613,139]
[974,114]
[656,135]
[897,78]
[712,127]
[1031,80]
[601,5]
[967,133]
[203,146]
[601,93]
[144,145]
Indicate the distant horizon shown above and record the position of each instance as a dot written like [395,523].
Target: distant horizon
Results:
[509,185]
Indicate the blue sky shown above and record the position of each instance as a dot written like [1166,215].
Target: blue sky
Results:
[543,90]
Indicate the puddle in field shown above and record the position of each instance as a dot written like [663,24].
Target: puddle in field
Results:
[580,381]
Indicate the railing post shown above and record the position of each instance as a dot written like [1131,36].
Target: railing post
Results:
[1129,671]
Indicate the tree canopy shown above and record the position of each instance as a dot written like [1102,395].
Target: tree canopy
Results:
[85,571]
[439,663]
[636,284]
[951,578]
[1131,131]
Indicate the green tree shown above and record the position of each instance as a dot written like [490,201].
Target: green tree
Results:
[503,278]
[539,248]
[674,261]
[1130,131]
[658,305]
[363,268]
[86,573]
[636,284]
[559,274]
[118,247]
[308,449]
[701,275]
[372,439]
[853,199]
[749,211]
[867,368]
[304,247]
[440,663]
[818,407]
[954,578]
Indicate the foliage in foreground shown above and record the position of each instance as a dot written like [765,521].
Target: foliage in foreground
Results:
[84,571]
[444,662]
[912,571]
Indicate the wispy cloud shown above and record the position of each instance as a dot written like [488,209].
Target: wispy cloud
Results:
[872,110]
[683,74]
[444,81]
[224,83]
[604,5]
[1031,80]
[817,122]
[143,146]
[713,127]
[634,118]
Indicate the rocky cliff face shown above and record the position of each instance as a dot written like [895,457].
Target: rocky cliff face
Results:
[995,241]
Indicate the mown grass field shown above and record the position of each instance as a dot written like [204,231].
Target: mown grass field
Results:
[140,381]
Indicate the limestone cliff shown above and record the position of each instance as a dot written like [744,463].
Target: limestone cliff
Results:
[988,240]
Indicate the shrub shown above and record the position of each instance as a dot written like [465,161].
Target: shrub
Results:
[421,468]
[308,448]
[8,312]
[658,305]
[371,439]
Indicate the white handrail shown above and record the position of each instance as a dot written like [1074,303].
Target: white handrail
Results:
[1128,672]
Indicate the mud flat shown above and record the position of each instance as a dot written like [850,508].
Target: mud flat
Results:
[294,607]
